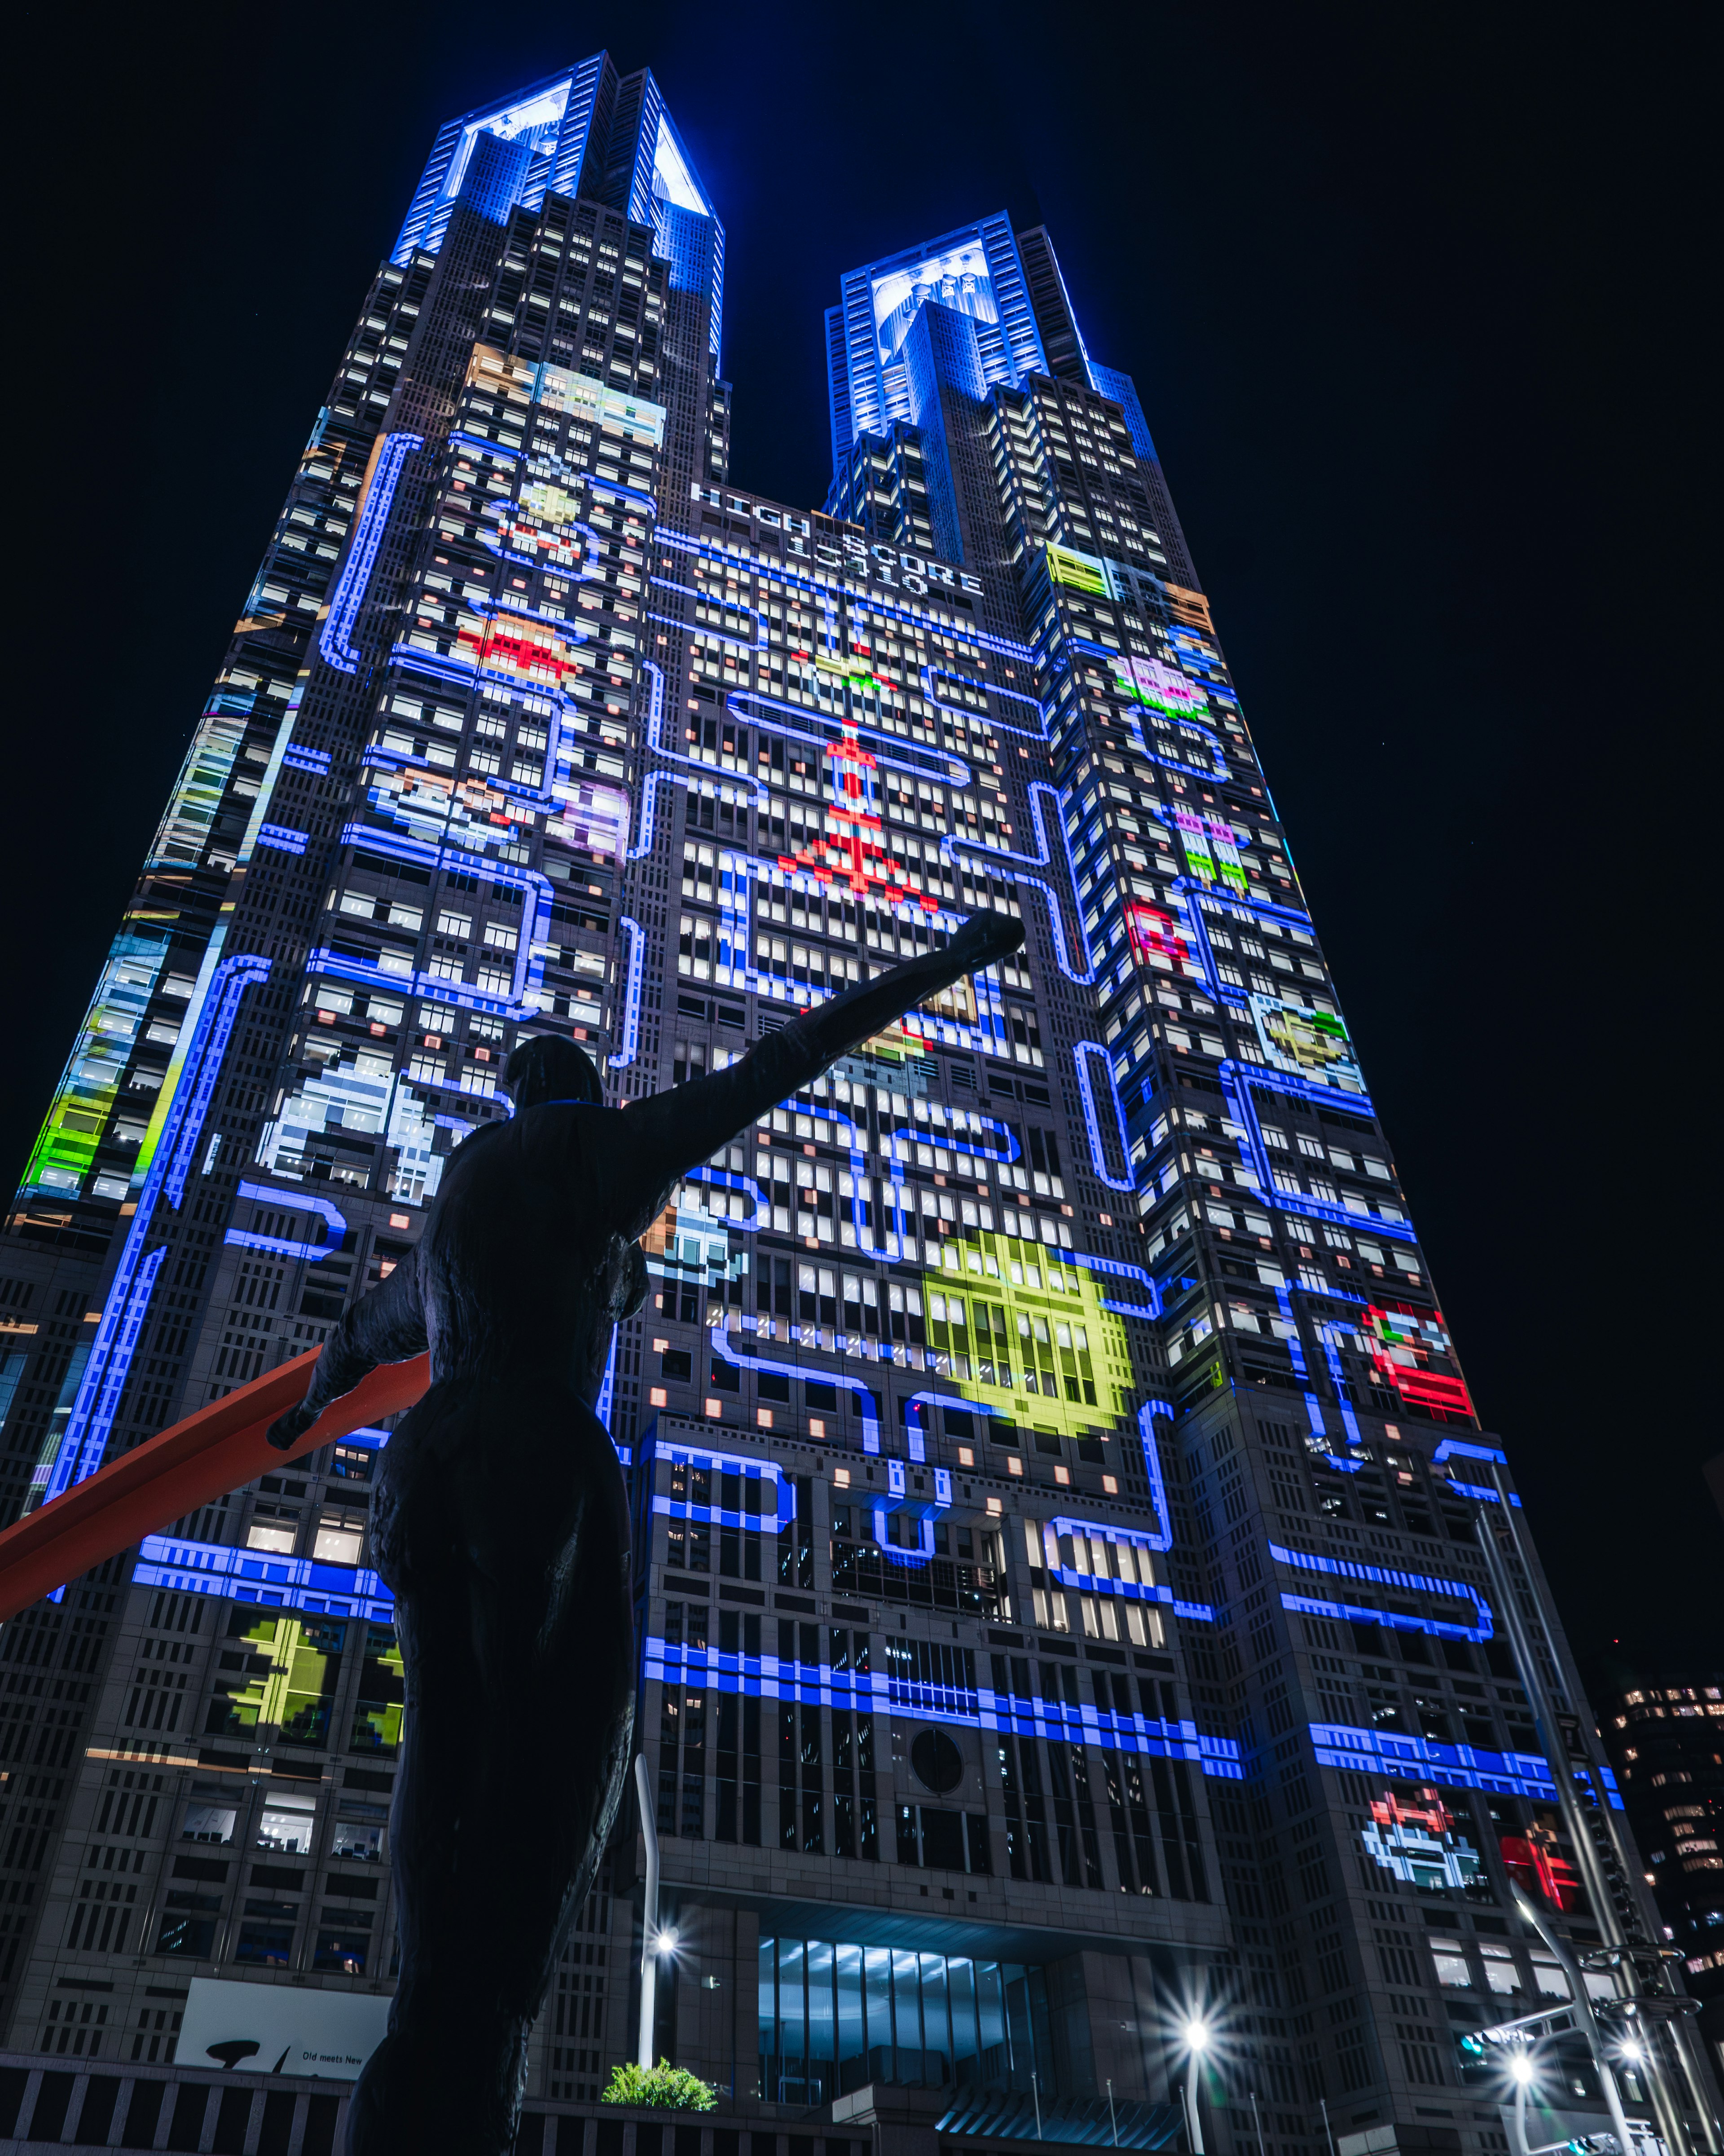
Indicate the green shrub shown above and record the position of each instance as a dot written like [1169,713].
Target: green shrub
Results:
[662,2087]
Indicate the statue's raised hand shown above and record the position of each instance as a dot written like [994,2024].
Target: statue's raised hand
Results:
[984,937]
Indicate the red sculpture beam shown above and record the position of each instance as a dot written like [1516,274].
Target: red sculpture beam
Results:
[220,1447]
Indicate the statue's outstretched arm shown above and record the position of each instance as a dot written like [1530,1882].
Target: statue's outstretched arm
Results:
[387,1326]
[690,1122]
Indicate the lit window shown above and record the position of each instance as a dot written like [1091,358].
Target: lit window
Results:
[1500,1973]
[286,1824]
[338,1542]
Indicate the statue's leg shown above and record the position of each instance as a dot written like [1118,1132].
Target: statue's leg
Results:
[505,1530]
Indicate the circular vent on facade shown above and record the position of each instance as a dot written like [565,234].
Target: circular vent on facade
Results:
[938,1763]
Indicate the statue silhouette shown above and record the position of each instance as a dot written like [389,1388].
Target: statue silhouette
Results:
[501,1522]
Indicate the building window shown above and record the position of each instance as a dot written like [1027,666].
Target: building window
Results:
[833,2017]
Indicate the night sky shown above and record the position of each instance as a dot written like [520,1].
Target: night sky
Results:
[1417,310]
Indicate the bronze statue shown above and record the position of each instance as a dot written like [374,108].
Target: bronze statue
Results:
[501,1524]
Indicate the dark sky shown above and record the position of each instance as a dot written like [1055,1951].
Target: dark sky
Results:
[1414,299]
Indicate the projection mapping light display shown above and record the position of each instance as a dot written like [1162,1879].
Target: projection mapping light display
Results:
[1418,1842]
[1535,1861]
[1153,936]
[1413,1352]
[849,849]
[1149,681]
[1029,1339]
[1307,1042]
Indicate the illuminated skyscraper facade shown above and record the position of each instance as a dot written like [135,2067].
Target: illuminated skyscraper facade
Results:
[1055,1489]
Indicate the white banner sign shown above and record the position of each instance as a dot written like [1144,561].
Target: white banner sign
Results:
[280,2029]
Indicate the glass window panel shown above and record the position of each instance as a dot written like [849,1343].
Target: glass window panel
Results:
[768,2016]
[821,2047]
[1022,2048]
[792,2035]
[937,2027]
[852,2035]
[991,2020]
[965,2043]
[1548,1977]
[877,1991]
[907,2005]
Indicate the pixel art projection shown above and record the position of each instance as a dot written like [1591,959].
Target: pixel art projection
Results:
[1306,1042]
[1418,1842]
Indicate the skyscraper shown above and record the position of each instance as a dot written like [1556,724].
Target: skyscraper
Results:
[1665,1737]
[1062,1624]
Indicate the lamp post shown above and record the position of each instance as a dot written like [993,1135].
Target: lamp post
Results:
[1531,1915]
[1196,2034]
[653,1941]
[1620,1950]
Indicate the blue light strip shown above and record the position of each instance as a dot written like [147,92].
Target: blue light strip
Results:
[1483,1493]
[914,1427]
[1385,1576]
[284,1583]
[314,760]
[1147,1413]
[1118,1270]
[1237,1078]
[784,1511]
[1015,866]
[937,764]
[867,1403]
[984,1036]
[349,593]
[240,1575]
[631,995]
[769,1677]
[1195,897]
[478,446]
[1425,1759]
[529,966]
[614,490]
[279,836]
[607,1385]
[743,788]
[85,1437]
[930,675]
[298,1201]
[1081,1052]
[722,1178]
[898,1500]
[197,1083]
[1329,1338]
[1132,1591]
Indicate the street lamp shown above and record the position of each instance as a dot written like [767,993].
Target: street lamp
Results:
[1196,2034]
[652,1940]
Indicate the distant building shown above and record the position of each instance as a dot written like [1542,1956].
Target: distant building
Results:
[1666,1736]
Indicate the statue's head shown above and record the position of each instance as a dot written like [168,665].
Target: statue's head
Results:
[549,1067]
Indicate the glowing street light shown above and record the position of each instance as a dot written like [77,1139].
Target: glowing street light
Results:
[1196,2034]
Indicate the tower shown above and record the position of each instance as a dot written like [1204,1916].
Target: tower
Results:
[1055,1489]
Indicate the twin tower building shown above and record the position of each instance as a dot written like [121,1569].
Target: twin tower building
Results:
[1064,1633]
